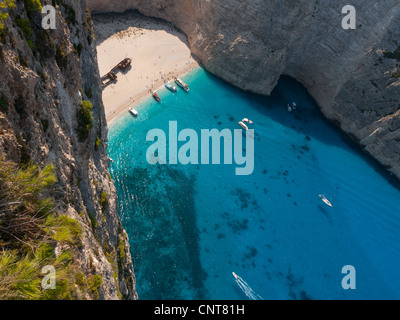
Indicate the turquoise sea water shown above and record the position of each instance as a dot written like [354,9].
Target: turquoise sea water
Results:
[191,226]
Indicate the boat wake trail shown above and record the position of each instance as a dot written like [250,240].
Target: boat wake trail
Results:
[249,292]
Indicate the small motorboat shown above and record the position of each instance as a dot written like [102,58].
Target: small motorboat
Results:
[133,112]
[182,84]
[235,275]
[292,106]
[170,87]
[242,124]
[325,200]
[155,96]
[245,120]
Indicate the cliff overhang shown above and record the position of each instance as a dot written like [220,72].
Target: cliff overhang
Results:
[352,74]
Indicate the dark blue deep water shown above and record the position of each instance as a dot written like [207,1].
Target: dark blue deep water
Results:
[191,226]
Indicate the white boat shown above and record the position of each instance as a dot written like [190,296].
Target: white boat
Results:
[292,106]
[325,200]
[249,292]
[241,123]
[133,112]
[170,87]
[183,85]
[247,121]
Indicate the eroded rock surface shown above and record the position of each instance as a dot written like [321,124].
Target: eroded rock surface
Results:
[44,78]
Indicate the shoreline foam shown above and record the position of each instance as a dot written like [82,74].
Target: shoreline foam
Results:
[159,53]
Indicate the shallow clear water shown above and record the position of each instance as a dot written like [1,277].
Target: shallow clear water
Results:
[191,226]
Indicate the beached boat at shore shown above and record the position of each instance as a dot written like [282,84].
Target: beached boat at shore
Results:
[170,87]
[182,84]
[133,112]
[111,76]
[155,96]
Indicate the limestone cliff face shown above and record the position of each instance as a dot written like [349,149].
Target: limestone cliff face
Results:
[45,76]
[352,74]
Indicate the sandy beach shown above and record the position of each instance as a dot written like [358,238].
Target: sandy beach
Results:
[159,53]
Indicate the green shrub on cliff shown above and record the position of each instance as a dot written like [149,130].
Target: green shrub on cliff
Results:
[85,120]
[62,56]
[29,229]
[392,55]
[93,219]
[33,6]
[67,230]
[22,209]
[89,284]
[4,5]
[104,201]
[25,26]
[97,144]
[21,276]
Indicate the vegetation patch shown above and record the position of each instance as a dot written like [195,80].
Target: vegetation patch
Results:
[392,55]
[30,228]
[45,45]
[4,6]
[121,253]
[25,26]
[85,120]
[104,201]
[33,6]
[93,219]
[71,16]
[88,93]
[28,232]
[66,230]
[88,24]
[62,56]
[97,144]
[89,284]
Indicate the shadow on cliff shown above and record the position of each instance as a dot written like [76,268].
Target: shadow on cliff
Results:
[308,111]
[307,119]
